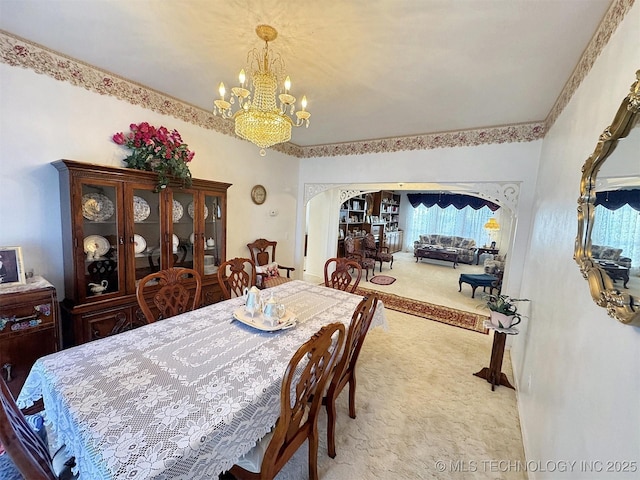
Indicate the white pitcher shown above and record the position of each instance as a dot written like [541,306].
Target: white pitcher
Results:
[253,302]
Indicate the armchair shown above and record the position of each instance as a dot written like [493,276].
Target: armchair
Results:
[350,253]
[378,253]
[263,254]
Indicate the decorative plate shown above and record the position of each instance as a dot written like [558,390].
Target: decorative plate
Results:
[141,209]
[287,321]
[178,211]
[191,208]
[96,207]
[96,245]
[176,242]
[192,238]
[140,244]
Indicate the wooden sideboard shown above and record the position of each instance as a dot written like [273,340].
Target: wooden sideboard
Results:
[29,328]
[117,229]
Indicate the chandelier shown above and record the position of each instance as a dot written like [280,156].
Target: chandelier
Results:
[259,117]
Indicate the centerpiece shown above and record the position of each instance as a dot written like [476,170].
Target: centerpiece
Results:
[157,150]
[504,311]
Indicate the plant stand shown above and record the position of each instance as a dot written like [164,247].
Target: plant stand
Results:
[494,374]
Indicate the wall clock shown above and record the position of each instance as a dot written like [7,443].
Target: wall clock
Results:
[258,194]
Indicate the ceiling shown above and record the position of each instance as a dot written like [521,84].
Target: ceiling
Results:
[370,68]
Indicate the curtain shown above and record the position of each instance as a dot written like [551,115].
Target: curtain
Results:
[443,200]
[466,222]
[619,229]
[614,199]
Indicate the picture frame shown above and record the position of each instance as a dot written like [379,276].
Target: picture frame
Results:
[11,267]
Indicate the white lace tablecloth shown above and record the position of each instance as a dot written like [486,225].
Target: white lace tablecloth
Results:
[182,398]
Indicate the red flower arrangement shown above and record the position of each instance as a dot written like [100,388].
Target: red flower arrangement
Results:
[157,150]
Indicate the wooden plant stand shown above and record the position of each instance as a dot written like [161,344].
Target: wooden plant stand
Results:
[494,374]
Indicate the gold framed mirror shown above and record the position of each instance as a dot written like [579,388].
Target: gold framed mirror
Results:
[603,252]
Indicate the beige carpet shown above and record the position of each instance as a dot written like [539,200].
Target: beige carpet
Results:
[421,414]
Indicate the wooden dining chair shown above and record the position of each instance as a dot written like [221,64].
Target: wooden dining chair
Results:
[263,254]
[307,374]
[345,371]
[345,274]
[235,275]
[173,297]
[28,453]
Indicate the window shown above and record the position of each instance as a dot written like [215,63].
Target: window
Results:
[467,222]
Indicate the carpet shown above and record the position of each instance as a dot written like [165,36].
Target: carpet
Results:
[438,313]
[382,280]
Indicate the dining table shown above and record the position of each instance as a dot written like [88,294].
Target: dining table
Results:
[181,398]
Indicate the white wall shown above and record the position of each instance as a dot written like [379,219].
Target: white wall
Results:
[579,385]
[43,120]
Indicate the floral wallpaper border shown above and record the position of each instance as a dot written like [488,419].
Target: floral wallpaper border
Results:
[16,51]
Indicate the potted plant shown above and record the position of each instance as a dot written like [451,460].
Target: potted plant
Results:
[157,150]
[504,311]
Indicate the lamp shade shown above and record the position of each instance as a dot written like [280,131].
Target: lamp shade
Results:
[492,225]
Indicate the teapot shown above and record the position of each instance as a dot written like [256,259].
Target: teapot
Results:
[253,302]
[98,288]
[273,311]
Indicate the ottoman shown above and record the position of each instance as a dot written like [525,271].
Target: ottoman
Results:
[478,280]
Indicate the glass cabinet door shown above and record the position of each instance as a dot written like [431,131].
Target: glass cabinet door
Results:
[183,235]
[213,240]
[146,232]
[102,240]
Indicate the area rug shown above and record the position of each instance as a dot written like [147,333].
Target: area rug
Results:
[439,313]
[382,280]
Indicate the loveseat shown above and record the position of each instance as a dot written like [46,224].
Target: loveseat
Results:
[604,252]
[466,247]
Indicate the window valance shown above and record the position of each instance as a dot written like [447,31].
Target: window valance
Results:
[443,200]
[614,199]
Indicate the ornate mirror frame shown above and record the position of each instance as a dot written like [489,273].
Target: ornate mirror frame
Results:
[620,305]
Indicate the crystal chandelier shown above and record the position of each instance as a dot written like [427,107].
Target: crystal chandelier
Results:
[259,117]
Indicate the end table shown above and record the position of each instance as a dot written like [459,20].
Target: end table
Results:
[494,374]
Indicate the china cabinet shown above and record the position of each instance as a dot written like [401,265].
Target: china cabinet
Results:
[118,229]
[29,328]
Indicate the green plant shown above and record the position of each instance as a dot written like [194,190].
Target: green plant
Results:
[157,150]
[505,304]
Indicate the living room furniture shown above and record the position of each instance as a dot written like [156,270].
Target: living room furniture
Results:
[29,328]
[481,250]
[616,272]
[263,254]
[604,253]
[465,247]
[172,297]
[195,362]
[483,280]
[236,275]
[373,249]
[446,254]
[494,374]
[115,214]
[342,274]
[350,253]
[305,378]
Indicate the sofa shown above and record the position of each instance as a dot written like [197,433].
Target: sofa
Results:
[606,253]
[466,247]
